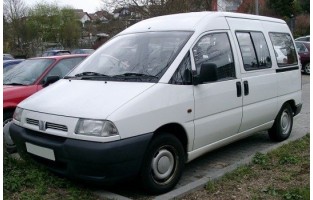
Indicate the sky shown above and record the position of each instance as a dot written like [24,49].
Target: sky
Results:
[89,6]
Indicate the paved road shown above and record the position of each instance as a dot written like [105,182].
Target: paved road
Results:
[220,161]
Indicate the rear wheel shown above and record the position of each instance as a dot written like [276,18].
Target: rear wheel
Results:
[283,124]
[163,164]
[306,68]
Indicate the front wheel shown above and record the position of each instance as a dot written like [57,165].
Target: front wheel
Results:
[306,68]
[283,124]
[163,164]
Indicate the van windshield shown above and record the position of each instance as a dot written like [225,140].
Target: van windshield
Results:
[134,57]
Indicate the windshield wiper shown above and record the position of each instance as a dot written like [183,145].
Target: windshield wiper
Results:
[90,74]
[14,84]
[135,75]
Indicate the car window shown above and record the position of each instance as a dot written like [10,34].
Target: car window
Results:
[254,50]
[64,66]
[215,48]
[183,75]
[27,72]
[301,47]
[62,53]
[284,42]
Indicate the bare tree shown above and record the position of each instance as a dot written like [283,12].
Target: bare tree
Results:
[15,12]
[152,8]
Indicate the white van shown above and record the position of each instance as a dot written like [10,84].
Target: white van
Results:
[162,93]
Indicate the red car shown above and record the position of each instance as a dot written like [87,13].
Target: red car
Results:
[31,76]
[304,53]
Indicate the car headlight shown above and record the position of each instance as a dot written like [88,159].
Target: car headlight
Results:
[100,128]
[18,114]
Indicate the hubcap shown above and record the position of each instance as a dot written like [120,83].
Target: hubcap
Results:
[163,164]
[285,122]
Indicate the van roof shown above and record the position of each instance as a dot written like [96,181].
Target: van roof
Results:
[188,21]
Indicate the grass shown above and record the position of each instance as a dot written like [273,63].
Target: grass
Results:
[26,180]
[281,174]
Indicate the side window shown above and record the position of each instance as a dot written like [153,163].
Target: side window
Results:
[64,66]
[182,75]
[261,48]
[254,50]
[216,49]
[301,48]
[284,48]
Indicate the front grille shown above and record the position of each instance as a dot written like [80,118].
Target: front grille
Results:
[32,121]
[47,125]
[59,127]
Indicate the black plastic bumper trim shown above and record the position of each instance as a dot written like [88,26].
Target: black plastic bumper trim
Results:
[298,109]
[93,161]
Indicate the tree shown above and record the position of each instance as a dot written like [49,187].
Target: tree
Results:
[51,24]
[14,12]
[152,8]
[70,29]
[284,8]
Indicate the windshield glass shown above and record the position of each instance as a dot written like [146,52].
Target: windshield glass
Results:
[142,54]
[27,72]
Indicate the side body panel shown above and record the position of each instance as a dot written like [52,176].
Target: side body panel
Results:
[260,104]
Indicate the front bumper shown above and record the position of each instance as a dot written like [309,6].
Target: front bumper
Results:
[94,161]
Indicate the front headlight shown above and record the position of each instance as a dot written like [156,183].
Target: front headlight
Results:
[18,114]
[100,128]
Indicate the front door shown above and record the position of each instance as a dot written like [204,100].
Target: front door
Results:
[218,103]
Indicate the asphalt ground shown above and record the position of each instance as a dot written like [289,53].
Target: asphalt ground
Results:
[218,162]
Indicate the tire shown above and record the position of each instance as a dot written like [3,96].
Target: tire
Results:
[8,143]
[164,149]
[306,68]
[283,124]
[7,117]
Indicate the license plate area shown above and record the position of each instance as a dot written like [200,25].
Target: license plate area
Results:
[40,151]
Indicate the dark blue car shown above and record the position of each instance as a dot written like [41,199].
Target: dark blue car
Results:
[55,53]
[9,64]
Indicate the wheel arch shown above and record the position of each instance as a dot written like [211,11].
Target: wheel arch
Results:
[9,109]
[292,104]
[175,129]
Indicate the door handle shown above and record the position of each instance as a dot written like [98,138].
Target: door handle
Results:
[246,87]
[238,86]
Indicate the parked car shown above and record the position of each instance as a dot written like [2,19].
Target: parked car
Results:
[303,38]
[56,53]
[82,51]
[161,93]
[281,54]
[9,64]
[7,56]
[31,76]
[303,49]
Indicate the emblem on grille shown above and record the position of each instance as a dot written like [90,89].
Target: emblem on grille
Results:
[42,125]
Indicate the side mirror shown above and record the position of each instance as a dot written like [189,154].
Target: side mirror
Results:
[208,73]
[50,80]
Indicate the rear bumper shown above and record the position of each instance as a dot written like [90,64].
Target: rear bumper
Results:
[298,109]
[94,161]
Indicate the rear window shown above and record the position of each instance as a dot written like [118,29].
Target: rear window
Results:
[284,48]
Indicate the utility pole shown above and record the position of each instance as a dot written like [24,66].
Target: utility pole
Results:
[257,7]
